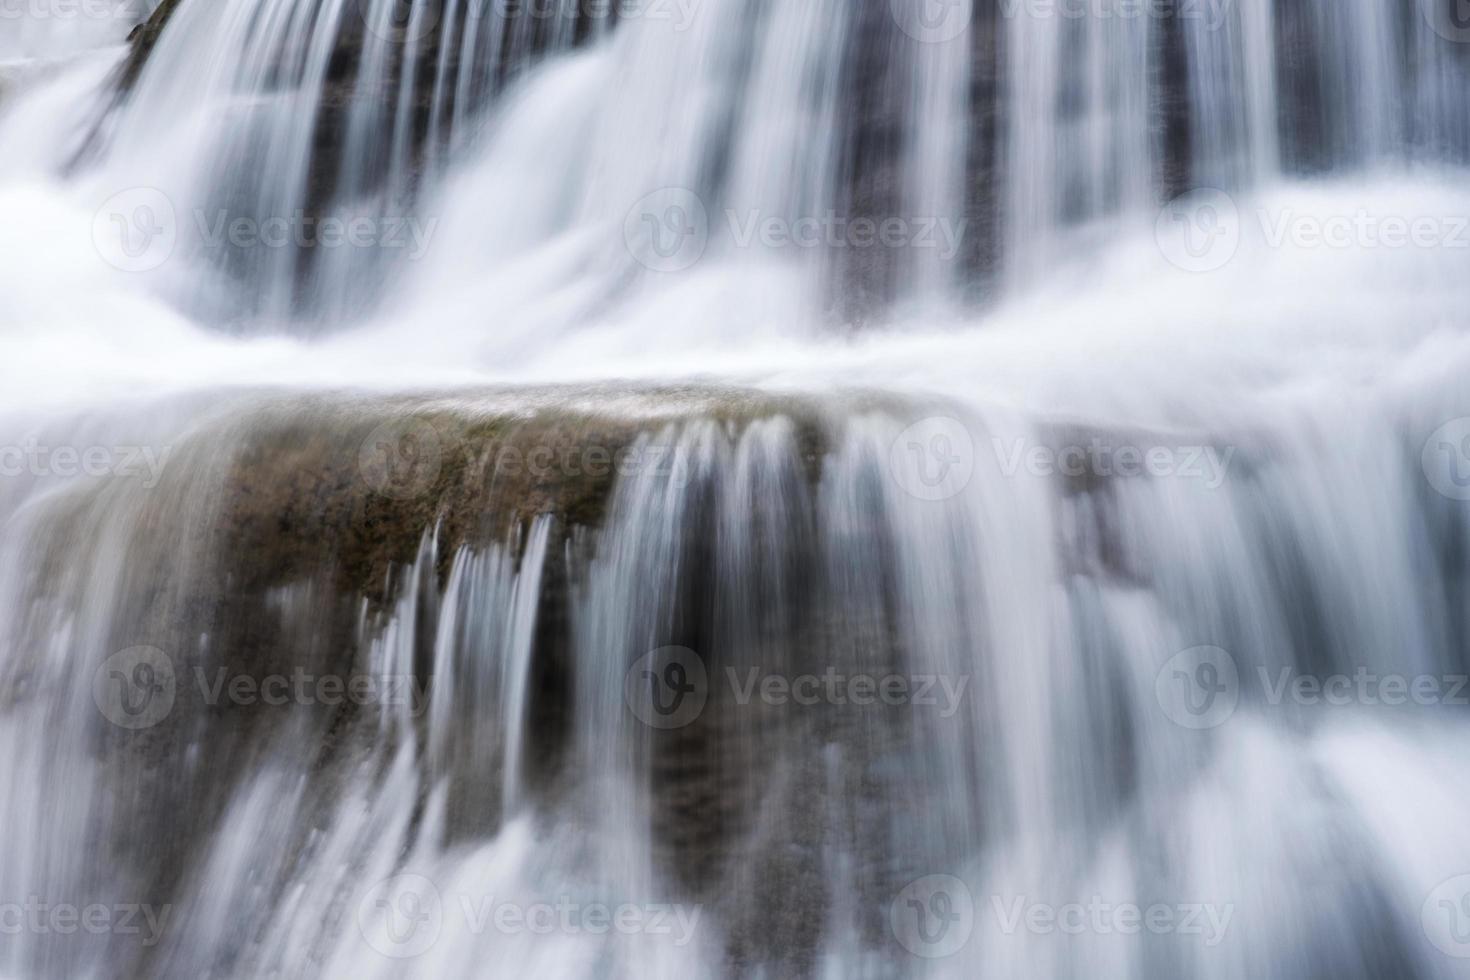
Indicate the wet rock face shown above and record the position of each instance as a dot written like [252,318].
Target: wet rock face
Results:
[285,540]
[514,564]
[304,536]
[369,489]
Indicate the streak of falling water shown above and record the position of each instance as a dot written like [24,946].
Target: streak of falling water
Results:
[1233,96]
[1356,72]
[522,773]
[1078,145]
[779,538]
[385,112]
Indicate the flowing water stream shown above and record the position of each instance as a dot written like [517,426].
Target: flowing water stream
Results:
[682,488]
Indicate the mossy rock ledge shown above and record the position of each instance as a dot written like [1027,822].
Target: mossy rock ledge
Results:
[351,486]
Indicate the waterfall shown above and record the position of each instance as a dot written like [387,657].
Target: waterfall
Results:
[759,125]
[754,488]
[1031,746]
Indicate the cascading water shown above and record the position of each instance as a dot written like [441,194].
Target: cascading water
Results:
[679,488]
